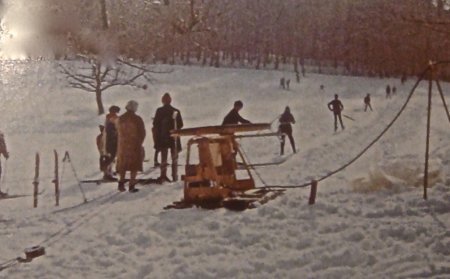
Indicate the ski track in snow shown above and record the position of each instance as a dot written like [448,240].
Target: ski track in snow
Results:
[389,233]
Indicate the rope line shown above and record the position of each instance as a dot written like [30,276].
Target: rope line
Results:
[306,184]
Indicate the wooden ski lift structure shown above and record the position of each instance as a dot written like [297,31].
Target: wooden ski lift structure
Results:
[213,180]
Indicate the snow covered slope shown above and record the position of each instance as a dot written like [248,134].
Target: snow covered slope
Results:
[360,227]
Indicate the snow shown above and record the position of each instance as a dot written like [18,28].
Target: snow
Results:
[371,230]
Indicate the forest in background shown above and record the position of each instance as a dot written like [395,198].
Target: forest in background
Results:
[356,37]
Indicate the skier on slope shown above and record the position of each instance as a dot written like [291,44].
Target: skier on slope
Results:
[367,103]
[167,118]
[285,128]
[336,107]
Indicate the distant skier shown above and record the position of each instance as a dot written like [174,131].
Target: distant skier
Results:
[388,92]
[288,82]
[285,128]
[233,116]
[394,90]
[367,103]
[110,141]
[3,151]
[282,83]
[167,118]
[336,107]
[297,76]
[131,131]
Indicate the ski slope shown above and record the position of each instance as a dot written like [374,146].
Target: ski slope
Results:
[369,220]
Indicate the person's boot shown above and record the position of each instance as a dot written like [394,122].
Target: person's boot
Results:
[121,186]
[132,188]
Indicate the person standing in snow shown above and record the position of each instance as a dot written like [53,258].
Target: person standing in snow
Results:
[167,118]
[367,103]
[233,116]
[155,156]
[336,107]
[100,146]
[388,92]
[131,135]
[110,141]
[3,151]
[285,128]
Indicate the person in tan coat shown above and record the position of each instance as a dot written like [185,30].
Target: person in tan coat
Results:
[131,135]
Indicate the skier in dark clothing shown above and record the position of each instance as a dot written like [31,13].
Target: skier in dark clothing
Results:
[336,107]
[388,92]
[167,118]
[285,128]
[110,144]
[367,103]
[233,116]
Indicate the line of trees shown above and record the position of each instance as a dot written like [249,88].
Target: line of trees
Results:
[359,37]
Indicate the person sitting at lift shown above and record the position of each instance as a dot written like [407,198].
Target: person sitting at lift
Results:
[233,116]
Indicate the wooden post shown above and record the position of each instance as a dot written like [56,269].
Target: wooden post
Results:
[427,145]
[36,182]
[56,180]
[312,195]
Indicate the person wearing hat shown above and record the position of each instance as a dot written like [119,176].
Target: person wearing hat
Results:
[167,118]
[233,116]
[131,135]
[336,107]
[110,142]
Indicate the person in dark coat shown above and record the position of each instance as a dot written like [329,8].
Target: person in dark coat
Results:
[167,118]
[131,131]
[155,156]
[388,92]
[3,151]
[233,116]
[110,144]
[336,107]
[285,129]
[367,103]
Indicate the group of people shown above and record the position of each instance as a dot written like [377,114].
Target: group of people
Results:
[122,137]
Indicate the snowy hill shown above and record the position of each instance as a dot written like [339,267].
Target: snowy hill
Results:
[369,221]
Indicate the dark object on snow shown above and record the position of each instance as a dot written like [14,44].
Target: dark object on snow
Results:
[34,252]
[388,92]
[282,83]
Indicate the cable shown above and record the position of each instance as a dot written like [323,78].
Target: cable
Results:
[421,76]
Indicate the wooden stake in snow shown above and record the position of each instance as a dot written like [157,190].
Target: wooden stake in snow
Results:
[312,195]
[427,144]
[56,180]
[36,182]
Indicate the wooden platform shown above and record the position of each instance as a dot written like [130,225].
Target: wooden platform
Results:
[220,129]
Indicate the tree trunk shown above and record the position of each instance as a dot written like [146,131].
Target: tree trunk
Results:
[104,14]
[98,95]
